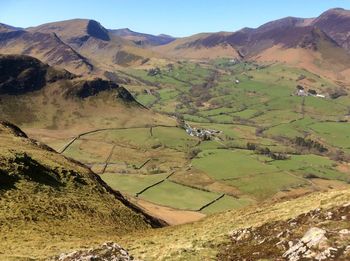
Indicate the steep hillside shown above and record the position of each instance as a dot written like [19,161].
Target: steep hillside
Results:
[313,50]
[200,46]
[49,203]
[75,31]
[211,238]
[106,49]
[37,95]
[8,28]
[22,74]
[288,32]
[320,234]
[141,38]
[336,23]
[44,46]
[317,44]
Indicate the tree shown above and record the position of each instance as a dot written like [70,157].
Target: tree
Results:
[312,92]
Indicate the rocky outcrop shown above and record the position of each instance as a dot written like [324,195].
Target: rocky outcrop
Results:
[13,129]
[313,241]
[87,88]
[83,88]
[107,252]
[21,74]
[321,234]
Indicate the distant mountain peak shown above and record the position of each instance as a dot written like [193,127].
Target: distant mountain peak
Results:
[336,11]
[95,29]
[74,28]
[142,38]
[8,28]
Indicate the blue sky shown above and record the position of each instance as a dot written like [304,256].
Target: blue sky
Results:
[174,17]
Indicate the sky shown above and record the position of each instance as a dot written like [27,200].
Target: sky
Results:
[174,17]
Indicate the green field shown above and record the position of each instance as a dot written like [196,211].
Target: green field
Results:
[225,164]
[89,151]
[227,203]
[178,196]
[138,136]
[265,185]
[262,110]
[335,133]
[131,184]
[174,138]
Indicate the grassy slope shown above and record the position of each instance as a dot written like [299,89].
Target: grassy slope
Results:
[50,204]
[200,240]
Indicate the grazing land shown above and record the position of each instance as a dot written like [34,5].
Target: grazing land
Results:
[271,143]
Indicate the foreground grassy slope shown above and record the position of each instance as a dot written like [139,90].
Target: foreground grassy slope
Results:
[50,204]
[202,240]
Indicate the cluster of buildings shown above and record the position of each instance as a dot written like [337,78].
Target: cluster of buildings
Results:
[302,92]
[205,134]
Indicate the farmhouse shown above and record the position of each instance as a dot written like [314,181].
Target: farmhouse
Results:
[302,92]
[205,134]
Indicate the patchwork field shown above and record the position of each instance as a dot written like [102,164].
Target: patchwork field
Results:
[270,143]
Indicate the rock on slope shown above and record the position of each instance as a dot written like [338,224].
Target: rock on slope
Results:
[321,234]
[215,237]
[51,204]
[107,252]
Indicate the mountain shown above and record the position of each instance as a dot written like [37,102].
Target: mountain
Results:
[45,195]
[74,32]
[288,32]
[107,50]
[318,44]
[85,46]
[33,93]
[141,38]
[200,46]
[336,24]
[22,74]
[8,28]
[44,46]
[81,46]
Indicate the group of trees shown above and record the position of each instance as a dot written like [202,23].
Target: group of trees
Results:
[192,153]
[154,71]
[267,152]
[310,144]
